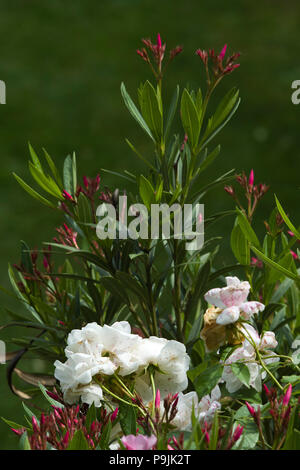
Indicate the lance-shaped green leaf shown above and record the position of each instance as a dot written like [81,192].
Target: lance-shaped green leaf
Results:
[240,245]
[209,159]
[135,112]
[286,219]
[45,182]
[53,168]
[275,265]
[147,192]
[78,441]
[222,111]
[247,229]
[69,172]
[209,135]
[33,193]
[190,118]
[151,110]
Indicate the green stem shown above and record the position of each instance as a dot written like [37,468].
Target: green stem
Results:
[262,362]
[153,392]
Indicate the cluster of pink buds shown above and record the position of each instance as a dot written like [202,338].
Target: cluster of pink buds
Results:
[219,67]
[34,274]
[280,411]
[158,52]
[230,436]
[176,443]
[66,236]
[90,187]
[252,192]
[57,429]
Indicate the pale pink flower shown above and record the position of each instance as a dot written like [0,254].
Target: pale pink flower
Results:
[139,442]
[232,299]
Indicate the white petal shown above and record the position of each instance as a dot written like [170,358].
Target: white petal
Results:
[268,340]
[249,308]
[228,315]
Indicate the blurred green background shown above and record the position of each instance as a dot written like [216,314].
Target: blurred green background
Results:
[63,63]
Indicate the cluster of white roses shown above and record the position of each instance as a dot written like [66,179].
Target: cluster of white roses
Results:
[95,353]
[233,309]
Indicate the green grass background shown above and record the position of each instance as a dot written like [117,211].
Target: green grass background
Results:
[63,62]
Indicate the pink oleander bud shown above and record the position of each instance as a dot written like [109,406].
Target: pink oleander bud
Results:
[238,432]
[43,419]
[35,424]
[251,409]
[230,68]
[176,443]
[251,180]
[294,255]
[19,432]
[174,52]
[159,41]
[287,396]
[114,415]
[157,399]
[291,233]
[223,52]
[268,393]
[56,414]
[203,55]
[206,437]
[66,195]
[229,190]
[66,438]
[85,181]
[45,263]
[53,395]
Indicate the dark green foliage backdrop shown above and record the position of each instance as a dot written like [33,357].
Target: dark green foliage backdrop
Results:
[63,63]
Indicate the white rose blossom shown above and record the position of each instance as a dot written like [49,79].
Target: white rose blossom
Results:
[171,361]
[246,353]
[232,300]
